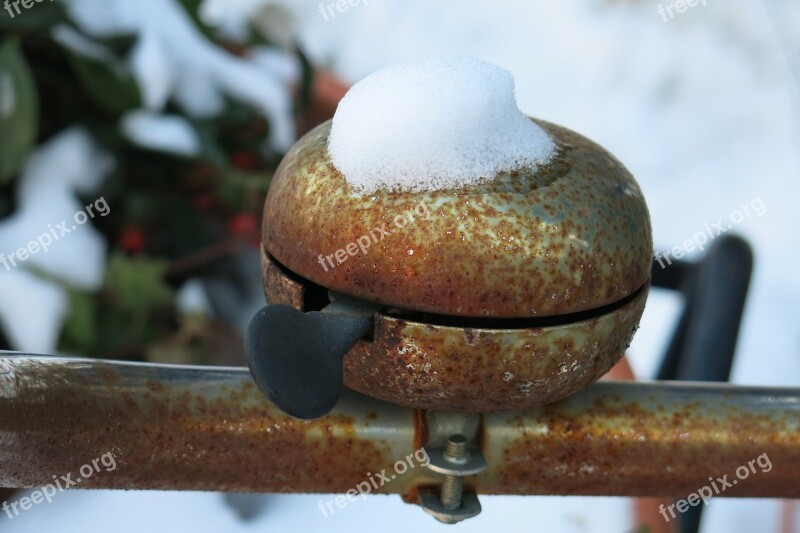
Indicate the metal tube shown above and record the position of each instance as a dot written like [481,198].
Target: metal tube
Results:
[185,428]
[649,439]
[178,427]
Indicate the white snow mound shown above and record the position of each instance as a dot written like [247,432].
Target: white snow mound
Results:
[433,123]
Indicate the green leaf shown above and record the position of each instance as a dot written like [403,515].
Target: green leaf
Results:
[79,327]
[210,148]
[38,16]
[19,109]
[307,73]
[106,79]
[120,44]
[137,284]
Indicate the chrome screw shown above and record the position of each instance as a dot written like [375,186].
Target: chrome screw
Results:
[451,505]
[457,453]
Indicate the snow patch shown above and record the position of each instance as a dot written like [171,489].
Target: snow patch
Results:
[192,298]
[166,133]
[433,123]
[172,58]
[68,37]
[32,309]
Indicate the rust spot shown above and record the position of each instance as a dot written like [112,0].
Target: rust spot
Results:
[278,287]
[109,375]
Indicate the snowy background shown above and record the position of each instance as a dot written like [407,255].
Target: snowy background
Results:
[702,108]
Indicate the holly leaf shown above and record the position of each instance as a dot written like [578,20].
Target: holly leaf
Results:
[106,78]
[120,44]
[137,284]
[79,327]
[19,109]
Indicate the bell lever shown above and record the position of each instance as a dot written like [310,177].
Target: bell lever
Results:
[296,357]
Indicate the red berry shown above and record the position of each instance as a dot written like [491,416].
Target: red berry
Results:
[203,201]
[131,239]
[242,225]
[243,160]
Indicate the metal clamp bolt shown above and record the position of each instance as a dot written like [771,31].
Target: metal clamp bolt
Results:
[455,462]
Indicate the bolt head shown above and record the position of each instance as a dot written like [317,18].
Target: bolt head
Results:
[431,504]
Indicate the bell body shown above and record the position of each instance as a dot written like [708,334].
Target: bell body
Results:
[507,294]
